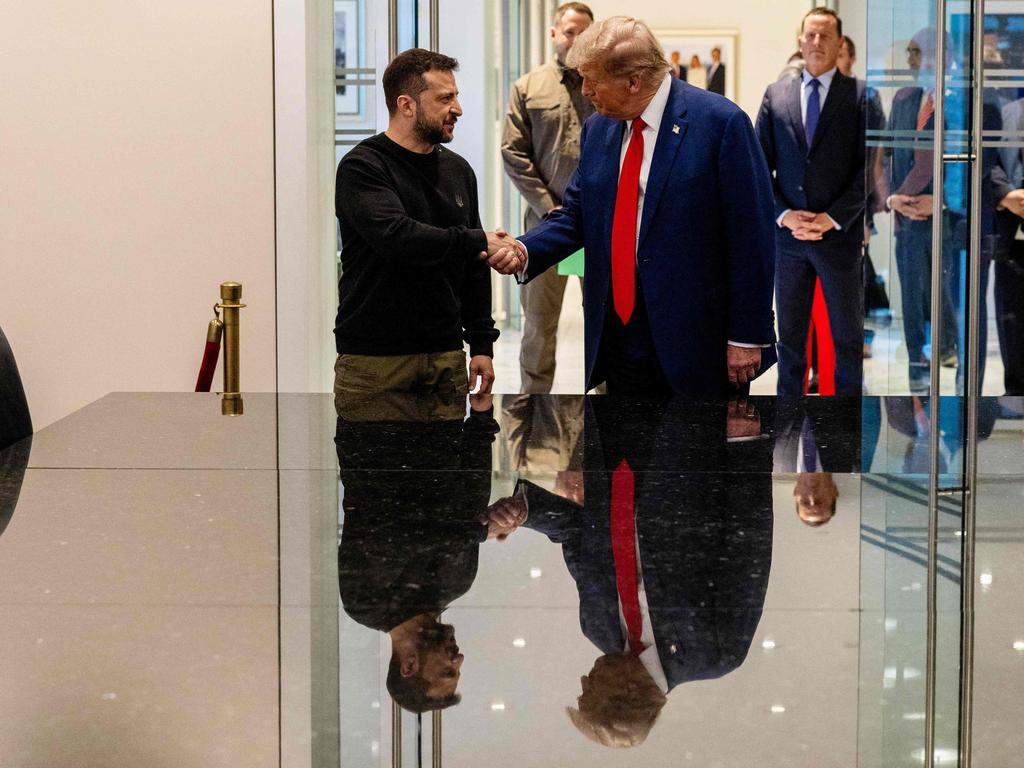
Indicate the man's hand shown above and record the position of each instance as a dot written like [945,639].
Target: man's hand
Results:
[808,226]
[912,207]
[481,402]
[504,253]
[482,367]
[742,420]
[1014,203]
[743,363]
[503,517]
[569,485]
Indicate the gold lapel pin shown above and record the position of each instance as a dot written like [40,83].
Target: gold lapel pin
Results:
[675,129]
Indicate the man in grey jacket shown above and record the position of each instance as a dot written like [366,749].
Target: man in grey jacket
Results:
[541,149]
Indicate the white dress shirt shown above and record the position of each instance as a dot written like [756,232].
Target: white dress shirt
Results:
[825,81]
[652,117]
[649,657]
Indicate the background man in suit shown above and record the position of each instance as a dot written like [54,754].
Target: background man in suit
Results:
[909,177]
[1009,269]
[716,73]
[672,200]
[811,129]
[541,148]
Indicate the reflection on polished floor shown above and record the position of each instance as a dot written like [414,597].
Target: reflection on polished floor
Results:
[171,583]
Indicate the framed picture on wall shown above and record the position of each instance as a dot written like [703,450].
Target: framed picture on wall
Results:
[346,55]
[705,58]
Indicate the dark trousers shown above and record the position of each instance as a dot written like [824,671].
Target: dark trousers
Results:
[627,358]
[914,264]
[1009,294]
[841,269]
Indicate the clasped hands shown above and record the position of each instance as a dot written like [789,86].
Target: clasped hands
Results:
[504,254]
[913,207]
[807,226]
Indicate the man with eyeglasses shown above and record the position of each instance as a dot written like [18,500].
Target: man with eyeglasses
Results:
[909,172]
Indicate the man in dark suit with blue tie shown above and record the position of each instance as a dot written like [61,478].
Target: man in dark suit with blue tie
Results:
[672,202]
[812,131]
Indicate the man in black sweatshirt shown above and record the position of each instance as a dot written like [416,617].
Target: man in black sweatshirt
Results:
[412,287]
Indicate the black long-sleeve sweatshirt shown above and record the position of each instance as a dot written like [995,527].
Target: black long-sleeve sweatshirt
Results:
[411,281]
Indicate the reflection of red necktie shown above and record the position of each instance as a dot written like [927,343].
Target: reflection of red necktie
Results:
[624,552]
[624,226]
[926,111]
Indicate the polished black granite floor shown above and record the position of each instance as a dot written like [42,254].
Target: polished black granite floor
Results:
[171,583]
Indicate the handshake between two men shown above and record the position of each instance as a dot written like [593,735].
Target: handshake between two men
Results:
[504,254]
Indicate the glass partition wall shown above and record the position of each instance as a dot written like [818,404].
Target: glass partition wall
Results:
[942,480]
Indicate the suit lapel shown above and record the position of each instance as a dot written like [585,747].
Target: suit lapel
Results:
[671,133]
[609,179]
[796,117]
[837,93]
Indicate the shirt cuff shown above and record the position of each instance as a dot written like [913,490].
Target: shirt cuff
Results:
[834,223]
[748,346]
[778,221]
[521,274]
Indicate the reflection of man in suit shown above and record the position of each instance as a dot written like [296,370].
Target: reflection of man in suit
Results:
[670,555]
[672,202]
[716,72]
[911,172]
[815,437]
[1009,269]
[812,132]
[417,479]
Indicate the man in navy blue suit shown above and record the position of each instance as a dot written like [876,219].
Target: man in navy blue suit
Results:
[672,201]
[811,129]
[669,546]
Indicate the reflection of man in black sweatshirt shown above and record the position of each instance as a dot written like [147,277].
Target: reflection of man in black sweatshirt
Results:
[412,289]
[417,479]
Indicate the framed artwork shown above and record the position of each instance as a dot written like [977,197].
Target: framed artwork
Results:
[346,55]
[692,53]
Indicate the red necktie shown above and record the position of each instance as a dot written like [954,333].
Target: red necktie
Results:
[624,226]
[926,111]
[624,552]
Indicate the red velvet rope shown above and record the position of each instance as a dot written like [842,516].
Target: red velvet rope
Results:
[208,367]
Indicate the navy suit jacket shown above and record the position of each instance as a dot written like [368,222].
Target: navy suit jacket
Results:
[705,538]
[705,253]
[827,176]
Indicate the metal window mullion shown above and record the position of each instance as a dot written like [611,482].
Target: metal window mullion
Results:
[392,29]
[972,384]
[434,22]
[938,183]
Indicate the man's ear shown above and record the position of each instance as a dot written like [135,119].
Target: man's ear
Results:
[551,33]
[406,105]
[634,84]
[410,665]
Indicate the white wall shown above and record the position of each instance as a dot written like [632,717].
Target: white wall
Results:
[137,173]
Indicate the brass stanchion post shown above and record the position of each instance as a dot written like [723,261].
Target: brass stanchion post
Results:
[231,303]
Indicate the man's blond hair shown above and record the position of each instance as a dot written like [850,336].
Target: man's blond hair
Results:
[621,46]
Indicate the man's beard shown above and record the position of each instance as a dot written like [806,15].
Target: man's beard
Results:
[431,133]
[436,636]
